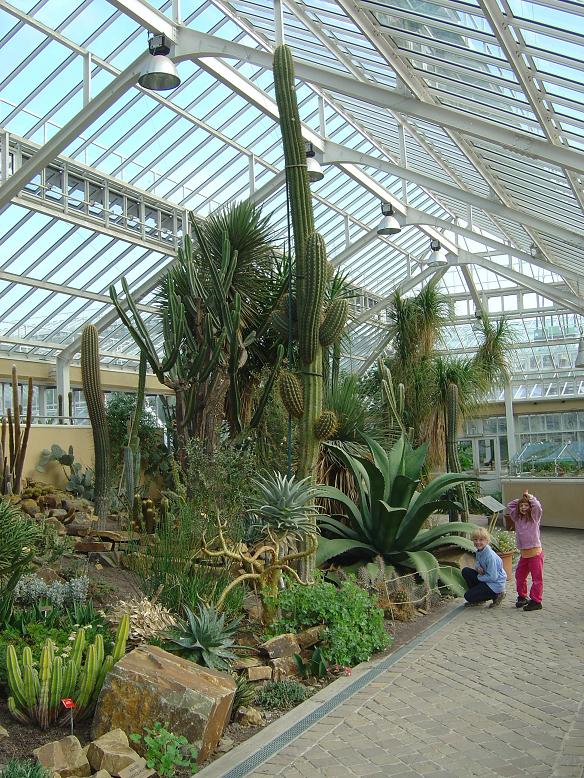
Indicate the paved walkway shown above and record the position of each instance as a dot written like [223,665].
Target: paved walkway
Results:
[489,693]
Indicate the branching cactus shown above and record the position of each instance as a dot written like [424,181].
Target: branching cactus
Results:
[95,400]
[12,458]
[35,695]
[393,402]
[316,326]
[452,460]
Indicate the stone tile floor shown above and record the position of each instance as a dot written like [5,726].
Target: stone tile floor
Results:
[493,693]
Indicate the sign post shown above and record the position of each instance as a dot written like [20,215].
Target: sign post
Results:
[68,704]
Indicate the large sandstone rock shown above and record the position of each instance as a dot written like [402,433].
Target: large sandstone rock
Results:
[281,646]
[65,757]
[150,685]
[111,752]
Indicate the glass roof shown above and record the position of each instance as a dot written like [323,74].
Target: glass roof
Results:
[466,115]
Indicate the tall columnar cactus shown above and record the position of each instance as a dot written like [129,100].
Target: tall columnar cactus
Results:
[311,275]
[12,459]
[35,695]
[97,414]
[393,401]
[452,460]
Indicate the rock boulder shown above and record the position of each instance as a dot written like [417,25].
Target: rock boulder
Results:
[111,752]
[65,757]
[150,685]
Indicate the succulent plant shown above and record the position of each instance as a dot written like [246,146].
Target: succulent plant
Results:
[205,637]
[284,504]
[35,695]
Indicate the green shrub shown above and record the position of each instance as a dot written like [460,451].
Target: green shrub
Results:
[25,768]
[166,751]
[354,624]
[280,695]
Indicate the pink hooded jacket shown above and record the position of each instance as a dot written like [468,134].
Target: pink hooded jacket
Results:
[526,531]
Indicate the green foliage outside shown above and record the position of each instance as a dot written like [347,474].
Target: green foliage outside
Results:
[354,624]
[281,695]
[25,768]
[164,751]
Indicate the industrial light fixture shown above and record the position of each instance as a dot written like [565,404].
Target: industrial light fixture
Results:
[388,225]
[313,165]
[160,74]
[477,326]
[579,361]
[437,253]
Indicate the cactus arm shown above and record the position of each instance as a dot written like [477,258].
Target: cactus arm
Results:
[16,414]
[90,377]
[16,713]
[19,464]
[15,680]
[121,638]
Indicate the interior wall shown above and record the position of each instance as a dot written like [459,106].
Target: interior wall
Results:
[43,436]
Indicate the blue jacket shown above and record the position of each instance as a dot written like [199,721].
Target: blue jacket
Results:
[494,576]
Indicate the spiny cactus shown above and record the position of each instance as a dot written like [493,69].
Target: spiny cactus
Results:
[334,321]
[35,696]
[292,394]
[12,459]
[94,398]
[326,425]
[452,460]
[393,402]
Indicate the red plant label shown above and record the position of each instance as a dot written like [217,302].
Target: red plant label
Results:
[68,703]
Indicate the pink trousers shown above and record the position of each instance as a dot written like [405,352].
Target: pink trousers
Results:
[533,565]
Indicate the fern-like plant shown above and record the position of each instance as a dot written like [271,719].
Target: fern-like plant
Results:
[205,637]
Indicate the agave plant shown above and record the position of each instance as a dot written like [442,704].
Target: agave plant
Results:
[205,637]
[388,520]
[284,505]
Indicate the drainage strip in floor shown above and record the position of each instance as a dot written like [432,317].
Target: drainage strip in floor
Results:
[271,748]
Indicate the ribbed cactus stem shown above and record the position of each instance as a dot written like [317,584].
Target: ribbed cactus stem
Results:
[452,460]
[94,398]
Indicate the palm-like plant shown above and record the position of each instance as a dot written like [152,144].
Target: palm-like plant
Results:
[205,637]
[284,505]
[388,519]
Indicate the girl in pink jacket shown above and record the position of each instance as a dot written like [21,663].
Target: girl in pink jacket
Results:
[525,515]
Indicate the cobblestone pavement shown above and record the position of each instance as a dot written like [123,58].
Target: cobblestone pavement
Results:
[495,692]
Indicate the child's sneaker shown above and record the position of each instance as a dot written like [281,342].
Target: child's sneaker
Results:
[498,600]
[521,602]
[532,605]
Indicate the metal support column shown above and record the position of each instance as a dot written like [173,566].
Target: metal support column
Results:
[511,440]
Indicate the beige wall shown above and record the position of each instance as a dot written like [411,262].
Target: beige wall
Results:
[44,373]
[562,499]
[43,436]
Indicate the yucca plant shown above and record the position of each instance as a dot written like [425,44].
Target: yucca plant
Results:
[388,520]
[205,637]
[18,535]
[284,505]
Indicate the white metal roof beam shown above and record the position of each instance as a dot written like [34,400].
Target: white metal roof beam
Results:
[334,153]
[563,298]
[191,44]
[71,130]
[540,103]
